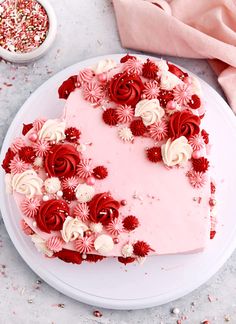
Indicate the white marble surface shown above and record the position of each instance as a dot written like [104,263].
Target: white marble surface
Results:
[87,29]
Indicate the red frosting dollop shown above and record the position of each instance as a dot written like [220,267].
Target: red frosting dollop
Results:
[125,89]
[69,256]
[26,128]
[201,164]
[69,194]
[100,172]
[130,223]
[103,208]
[109,117]
[138,128]
[183,123]
[61,161]
[154,154]
[27,154]
[67,87]
[141,248]
[195,102]
[7,160]
[51,215]
[150,70]
[94,258]
[72,134]
[165,96]
[205,136]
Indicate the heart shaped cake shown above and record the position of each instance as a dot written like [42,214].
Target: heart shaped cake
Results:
[124,171]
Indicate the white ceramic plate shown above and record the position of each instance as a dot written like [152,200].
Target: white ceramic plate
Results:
[161,279]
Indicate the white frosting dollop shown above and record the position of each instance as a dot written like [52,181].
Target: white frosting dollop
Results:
[96,227]
[104,66]
[125,134]
[72,229]
[127,250]
[52,185]
[169,80]
[196,86]
[53,130]
[38,162]
[149,110]
[40,245]
[162,66]
[27,183]
[8,185]
[84,192]
[176,152]
[104,244]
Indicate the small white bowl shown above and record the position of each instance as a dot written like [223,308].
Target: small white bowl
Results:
[42,49]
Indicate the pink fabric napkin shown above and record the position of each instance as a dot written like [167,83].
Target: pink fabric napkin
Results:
[186,28]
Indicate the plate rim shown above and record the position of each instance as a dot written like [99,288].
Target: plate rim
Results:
[87,298]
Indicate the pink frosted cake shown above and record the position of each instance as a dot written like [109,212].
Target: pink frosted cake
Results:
[123,172]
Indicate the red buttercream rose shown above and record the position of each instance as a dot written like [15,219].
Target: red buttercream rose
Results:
[125,89]
[61,161]
[103,208]
[184,123]
[67,87]
[51,215]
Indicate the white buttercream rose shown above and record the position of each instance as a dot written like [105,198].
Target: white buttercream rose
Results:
[176,152]
[72,229]
[40,245]
[53,130]
[149,110]
[27,183]
[127,250]
[84,192]
[52,185]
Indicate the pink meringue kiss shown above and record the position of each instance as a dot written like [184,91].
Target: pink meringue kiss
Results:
[33,137]
[90,181]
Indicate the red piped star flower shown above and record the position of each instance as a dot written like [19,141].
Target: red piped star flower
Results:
[26,128]
[205,136]
[154,154]
[27,154]
[201,164]
[138,128]
[126,58]
[150,70]
[72,134]
[195,102]
[7,160]
[109,116]
[141,248]
[130,223]
[100,172]
[69,194]
[126,260]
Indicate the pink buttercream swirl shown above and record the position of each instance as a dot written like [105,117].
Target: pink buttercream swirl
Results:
[124,114]
[84,169]
[82,211]
[30,207]
[84,244]
[26,228]
[182,94]
[93,92]
[133,66]
[54,243]
[41,147]
[17,144]
[17,165]
[115,227]
[70,183]
[151,90]
[85,75]
[158,131]
[197,179]
[197,142]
